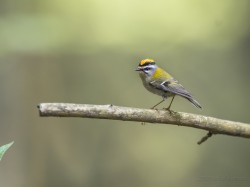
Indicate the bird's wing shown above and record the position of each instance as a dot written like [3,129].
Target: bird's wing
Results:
[172,86]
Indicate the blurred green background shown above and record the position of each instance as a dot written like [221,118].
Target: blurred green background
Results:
[86,52]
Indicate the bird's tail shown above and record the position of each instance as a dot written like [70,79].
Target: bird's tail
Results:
[194,102]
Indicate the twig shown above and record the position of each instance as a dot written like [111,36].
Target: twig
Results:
[213,125]
[203,139]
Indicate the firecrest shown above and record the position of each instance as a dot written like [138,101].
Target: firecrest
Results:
[159,82]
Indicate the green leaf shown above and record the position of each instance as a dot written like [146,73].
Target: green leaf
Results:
[4,148]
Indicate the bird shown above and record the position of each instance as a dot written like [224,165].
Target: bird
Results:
[161,83]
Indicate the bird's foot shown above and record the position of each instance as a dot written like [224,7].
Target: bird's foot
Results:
[168,109]
[153,108]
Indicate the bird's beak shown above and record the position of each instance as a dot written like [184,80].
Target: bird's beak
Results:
[138,69]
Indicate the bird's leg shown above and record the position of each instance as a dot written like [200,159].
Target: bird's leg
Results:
[170,103]
[158,103]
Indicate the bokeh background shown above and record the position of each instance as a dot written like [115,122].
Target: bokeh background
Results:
[85,51]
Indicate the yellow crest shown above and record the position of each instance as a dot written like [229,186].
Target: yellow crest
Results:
[146,62]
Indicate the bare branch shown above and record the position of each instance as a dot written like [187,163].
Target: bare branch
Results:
[213,125]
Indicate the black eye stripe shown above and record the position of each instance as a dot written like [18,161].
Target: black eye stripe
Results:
[147,63]
[147,68]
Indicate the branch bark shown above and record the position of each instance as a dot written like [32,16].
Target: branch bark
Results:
[213,125]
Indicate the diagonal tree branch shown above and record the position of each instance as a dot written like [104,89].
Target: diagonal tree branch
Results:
[213,125]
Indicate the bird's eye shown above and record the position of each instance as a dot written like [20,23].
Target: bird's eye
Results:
[146,69]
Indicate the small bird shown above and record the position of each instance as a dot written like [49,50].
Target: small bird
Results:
[159,82]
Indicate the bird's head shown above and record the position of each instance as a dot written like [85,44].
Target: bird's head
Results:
[146,67]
